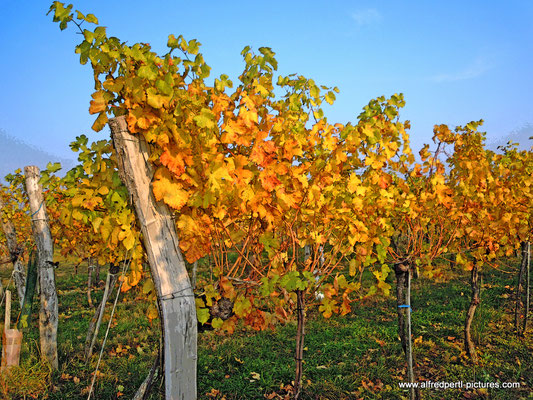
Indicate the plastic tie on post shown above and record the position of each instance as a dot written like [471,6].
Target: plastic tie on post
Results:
[31,216]
[404,306]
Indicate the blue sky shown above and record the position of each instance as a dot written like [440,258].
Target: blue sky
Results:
[454,61]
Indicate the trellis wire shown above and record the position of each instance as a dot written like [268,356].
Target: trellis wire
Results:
[124,269]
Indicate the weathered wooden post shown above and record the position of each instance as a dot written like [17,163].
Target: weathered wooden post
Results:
[19,276]
[48,315]
[175,294]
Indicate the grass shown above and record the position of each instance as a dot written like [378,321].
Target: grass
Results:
[351,357]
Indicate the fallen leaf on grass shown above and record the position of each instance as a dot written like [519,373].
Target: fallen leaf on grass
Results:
[213,393]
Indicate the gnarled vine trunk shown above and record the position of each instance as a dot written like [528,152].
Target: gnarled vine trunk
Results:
[300,335]
[15,251]
[401,287]
[403,303]
[519,288]
[525,271]
[474,302]
[169,273]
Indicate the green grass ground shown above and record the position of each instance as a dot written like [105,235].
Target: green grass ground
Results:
[357,356]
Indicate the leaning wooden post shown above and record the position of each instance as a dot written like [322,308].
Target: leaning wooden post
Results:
[175,294]
[48,315]
[19,276]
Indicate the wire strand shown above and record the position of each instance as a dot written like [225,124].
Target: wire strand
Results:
[124,269]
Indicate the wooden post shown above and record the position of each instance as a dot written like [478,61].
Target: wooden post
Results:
[175,294]
[48,315]
[19,276]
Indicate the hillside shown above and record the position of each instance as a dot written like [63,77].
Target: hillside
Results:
[17,154]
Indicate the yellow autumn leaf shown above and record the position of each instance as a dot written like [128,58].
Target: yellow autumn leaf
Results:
[100,122]
[219,174]
[98,103]
[129,241]
[353,183]
[167,190]
[76,214]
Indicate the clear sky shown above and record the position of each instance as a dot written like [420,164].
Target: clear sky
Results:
[455,61]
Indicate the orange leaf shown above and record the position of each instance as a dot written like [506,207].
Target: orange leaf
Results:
[98,104]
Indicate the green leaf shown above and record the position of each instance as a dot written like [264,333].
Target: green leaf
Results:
[242,307]
[172,42]
[193,47]
[115,198]
[154,99]
[202,314]
[341,281]
[223,82]
[268,285]
[206,119]
[381,252]
[90,18]
[245,50]
[328,307]
[100,32]
[88,35]
[269,56]
[53,167]
[24,321]
[268,240]
[146,71]
[330,97]
[148,286]
[314,92]
[291,281]
[217,323]
[163,87]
